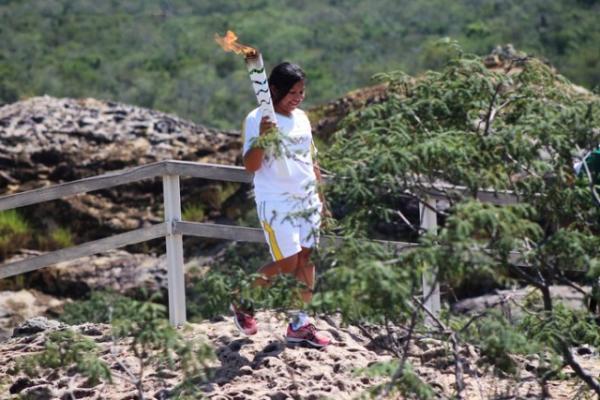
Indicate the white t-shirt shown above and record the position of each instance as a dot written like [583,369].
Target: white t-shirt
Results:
[300,182]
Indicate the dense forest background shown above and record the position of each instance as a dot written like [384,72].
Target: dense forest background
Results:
[161,54]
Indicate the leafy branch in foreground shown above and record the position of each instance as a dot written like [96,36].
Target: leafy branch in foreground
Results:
[155,342]
[142,327]
[460,130]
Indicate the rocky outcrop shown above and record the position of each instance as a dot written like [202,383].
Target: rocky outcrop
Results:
[116,271]
[326,119]
[510,301]
[44,141]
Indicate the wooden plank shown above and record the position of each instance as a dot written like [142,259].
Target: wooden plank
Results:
[431,288]
[217,231]
[230,173]
[87,249]
[174,242]
[256,235]
[441,191]
[82,185]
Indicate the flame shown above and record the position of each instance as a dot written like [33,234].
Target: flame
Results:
[229,43]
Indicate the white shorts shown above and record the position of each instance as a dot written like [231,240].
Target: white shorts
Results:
[290,225]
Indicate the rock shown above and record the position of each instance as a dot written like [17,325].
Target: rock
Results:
[18,306]
[77,394]
[326,118]
[20,384]
[278,396]
[41,392]
[585,350]
[36,325]
[116,270]
[246,370]
[433,353]
[500,300]
[45,140]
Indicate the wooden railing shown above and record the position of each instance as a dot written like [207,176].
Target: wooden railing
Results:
[173,228]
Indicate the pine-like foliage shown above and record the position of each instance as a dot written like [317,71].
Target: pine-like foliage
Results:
[460,131]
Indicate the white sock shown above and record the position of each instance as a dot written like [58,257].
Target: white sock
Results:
[299,320]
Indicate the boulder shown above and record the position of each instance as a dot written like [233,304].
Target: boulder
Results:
[45,141]
[18,306]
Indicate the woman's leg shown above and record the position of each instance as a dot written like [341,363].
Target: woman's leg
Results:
[305,272]
[298,265]
[286,265]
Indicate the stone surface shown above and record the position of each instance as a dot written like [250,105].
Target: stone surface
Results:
[507,300]
[44,141]
[116,270]
[35,325]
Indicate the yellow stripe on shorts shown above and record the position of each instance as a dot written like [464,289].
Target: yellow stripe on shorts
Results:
[273,241]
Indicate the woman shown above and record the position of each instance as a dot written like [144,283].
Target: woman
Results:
[288,204]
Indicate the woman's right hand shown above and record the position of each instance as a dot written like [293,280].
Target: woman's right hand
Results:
[266,125]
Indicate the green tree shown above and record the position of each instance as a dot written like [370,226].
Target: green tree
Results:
[458,131]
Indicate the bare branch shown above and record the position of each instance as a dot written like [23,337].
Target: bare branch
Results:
[581,373]
[491,113]
[458,366]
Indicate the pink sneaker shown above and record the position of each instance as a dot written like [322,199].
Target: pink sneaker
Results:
[244,320]
[306,334]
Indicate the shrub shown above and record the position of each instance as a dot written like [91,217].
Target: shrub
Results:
[194,213]
[14,232]
[58,238]
[64,350]
[96,309]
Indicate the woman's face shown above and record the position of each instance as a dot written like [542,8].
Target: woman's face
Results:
[291,100]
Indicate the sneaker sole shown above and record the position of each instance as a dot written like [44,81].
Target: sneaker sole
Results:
[237,325]
[294,341]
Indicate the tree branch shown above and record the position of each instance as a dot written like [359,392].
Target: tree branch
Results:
[583,375]
[458,365]
[490,113]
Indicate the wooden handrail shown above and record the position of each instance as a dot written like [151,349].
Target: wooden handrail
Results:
[86,249]
[438,191]
[173,228]
[80,186]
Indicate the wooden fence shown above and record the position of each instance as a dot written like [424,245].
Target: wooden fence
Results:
[173,228]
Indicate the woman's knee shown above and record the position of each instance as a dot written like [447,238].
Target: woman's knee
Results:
[304,256]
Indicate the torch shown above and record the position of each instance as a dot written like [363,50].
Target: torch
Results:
[260,84]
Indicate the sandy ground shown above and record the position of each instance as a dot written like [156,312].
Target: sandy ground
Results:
[264,367]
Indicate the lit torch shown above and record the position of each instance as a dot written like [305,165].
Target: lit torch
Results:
[256,69]
[260,83]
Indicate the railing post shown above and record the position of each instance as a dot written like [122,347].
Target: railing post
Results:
[175,275]
[429,223]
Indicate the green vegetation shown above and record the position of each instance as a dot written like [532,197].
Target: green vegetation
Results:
[156,341]
[468,126]
[410,382]
[194,212]
[97,308]
[153,341]
[161,54]
[17,233]
[58,238]
[64,350]
[62,237]
[462,124]
[233,275]
[14,232]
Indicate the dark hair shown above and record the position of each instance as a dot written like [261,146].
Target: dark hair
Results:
[282,78]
